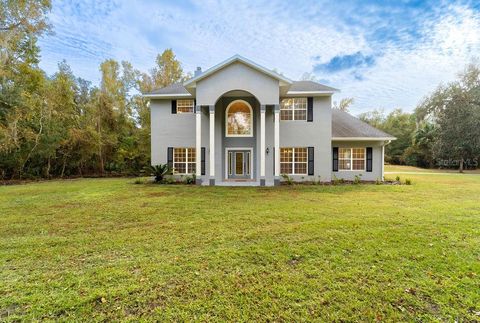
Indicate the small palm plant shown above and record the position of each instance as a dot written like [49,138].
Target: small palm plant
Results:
[159,171]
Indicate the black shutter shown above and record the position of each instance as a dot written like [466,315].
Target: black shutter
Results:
[170,157]
[203,161]
[310,160]
[309,109]
[174,106]
[335,159]
[369,159]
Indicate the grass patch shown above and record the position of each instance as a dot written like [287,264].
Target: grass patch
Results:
[107,249]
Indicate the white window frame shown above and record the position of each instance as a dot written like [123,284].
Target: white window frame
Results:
[227,150]
[294,161]
[352,159]
[294,108]
[251,119]
[191,106]
[186,162]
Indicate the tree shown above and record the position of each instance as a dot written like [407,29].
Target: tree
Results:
[455,109]
[168,70]
[344,104]
[398,124]
[420,153]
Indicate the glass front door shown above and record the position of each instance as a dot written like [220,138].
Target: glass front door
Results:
[239,163]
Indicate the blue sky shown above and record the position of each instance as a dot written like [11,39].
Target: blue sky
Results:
[385,54]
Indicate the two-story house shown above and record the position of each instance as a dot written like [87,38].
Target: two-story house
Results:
[239,123]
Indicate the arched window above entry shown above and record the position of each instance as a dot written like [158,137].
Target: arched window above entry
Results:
[239,119]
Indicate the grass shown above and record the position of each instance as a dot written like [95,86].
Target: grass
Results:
[107,249]
[399,168]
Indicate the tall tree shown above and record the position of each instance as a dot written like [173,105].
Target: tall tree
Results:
[455,109]
[168,70]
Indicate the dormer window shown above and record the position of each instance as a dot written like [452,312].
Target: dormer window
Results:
[185,106]
[293,109]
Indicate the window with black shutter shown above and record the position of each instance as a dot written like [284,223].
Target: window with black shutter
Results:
[335,159]
[174,106]
[170,157]
[369,159]
[309,109]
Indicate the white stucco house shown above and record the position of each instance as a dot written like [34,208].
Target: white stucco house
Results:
[239,123]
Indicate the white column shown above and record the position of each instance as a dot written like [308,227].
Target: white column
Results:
[212,144]
[277,143]
[262,144]
[198,142]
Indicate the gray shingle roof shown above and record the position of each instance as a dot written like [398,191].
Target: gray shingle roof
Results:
[173,89]
[309,86]
[347,126]
[305,86]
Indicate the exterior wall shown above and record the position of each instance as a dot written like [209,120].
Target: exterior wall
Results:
[169,130]
[237,76]
[377,160]
[315,134]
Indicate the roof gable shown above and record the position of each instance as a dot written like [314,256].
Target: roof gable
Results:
[234,59]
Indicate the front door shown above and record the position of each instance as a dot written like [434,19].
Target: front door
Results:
[239,164]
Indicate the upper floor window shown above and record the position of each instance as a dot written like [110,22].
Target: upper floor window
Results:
[293,109]
[185,106]
[351,158]
[239,119]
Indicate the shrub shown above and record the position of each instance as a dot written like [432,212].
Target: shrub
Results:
[159,171]
[337,180]
[408,181]
[357,179]
[287,179]
[397,178]
[378,181]
[191,179]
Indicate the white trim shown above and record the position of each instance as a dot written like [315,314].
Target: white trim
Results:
[293,109]
[233,59]
[294,162]
[251,119]
[186,162]
[276,135]
[238,148]
[362,138]
[198,142]
[262,142]
[311,92]
[351,160]
[166,95]
[212,144]
[383,162]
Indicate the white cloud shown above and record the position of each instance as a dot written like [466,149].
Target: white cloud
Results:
[282,35]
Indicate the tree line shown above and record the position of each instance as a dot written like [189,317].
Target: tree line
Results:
[62,125]
[444,129]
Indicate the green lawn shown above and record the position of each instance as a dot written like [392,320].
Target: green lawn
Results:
[106,249]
